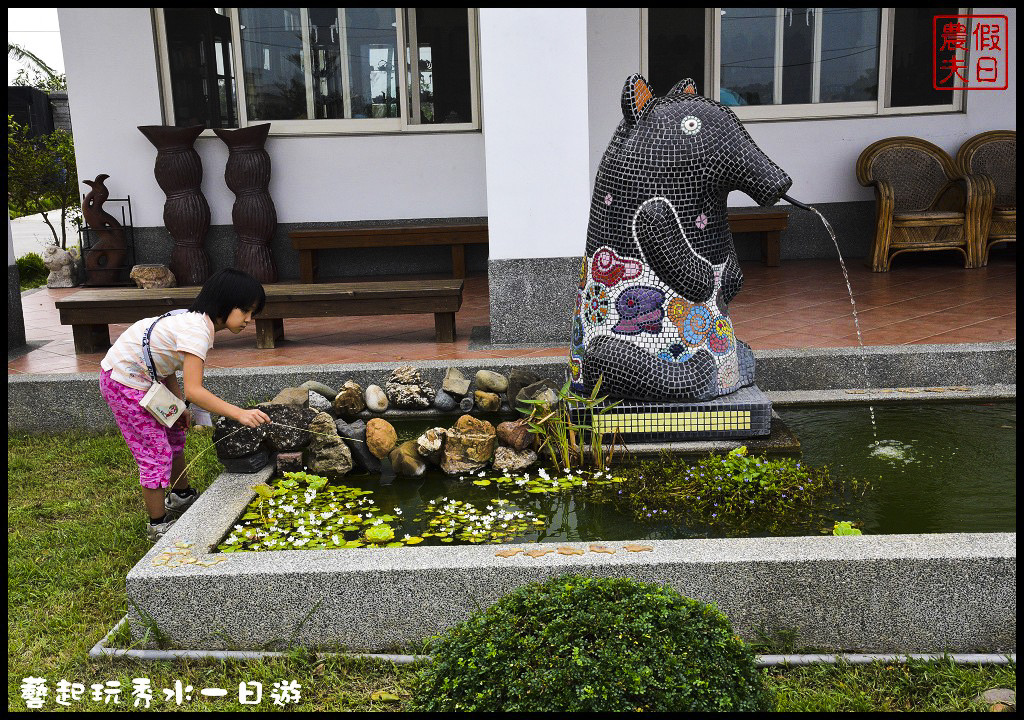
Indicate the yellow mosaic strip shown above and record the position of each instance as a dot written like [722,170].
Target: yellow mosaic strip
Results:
[673,422]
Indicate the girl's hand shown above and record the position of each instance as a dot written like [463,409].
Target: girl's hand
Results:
[185,421]
[252,418]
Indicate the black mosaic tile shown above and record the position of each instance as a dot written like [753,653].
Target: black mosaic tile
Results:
[651,312]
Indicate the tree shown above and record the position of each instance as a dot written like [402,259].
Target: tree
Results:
[42,177]
[39,74]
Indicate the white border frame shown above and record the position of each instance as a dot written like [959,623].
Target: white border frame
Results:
[347,126]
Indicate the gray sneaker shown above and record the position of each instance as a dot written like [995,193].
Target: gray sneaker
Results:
[155,532]
[176,505]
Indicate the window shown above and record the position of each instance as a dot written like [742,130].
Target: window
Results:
[320,70]
[778,63]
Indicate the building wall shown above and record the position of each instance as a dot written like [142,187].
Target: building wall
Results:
[113,87]
[820,156]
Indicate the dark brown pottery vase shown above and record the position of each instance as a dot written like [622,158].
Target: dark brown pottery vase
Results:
[248,176]
[179,172]
[104,260]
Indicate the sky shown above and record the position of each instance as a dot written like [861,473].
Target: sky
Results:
[36,30]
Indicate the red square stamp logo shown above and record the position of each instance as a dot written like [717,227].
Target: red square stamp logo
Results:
[970,52]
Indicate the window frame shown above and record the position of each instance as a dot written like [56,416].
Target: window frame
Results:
[404,25]
[808,111]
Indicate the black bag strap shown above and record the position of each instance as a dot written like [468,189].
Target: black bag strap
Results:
[147,356]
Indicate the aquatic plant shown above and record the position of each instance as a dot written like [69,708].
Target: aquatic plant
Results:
[304,511]
[843,527]
[591,644]
[497,521]
[567,431]
[737,495]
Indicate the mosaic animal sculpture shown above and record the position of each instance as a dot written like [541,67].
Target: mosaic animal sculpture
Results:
[660,268]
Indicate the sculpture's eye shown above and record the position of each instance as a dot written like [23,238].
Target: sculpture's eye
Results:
[691,125]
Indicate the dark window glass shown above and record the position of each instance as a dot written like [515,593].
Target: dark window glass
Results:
[748,56]
[675,47]
[849,54]
[202,78]
[912,58]
[442,36]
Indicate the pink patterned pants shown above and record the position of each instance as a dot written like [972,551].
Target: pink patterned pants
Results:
[152,444]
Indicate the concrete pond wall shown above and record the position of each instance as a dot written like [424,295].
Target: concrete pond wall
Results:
[896,593]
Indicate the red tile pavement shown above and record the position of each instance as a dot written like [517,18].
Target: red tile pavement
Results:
[927,298]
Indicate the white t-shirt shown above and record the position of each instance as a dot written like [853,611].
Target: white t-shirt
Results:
[170,340]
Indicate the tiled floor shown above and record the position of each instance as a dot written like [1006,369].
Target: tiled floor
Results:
[926,298]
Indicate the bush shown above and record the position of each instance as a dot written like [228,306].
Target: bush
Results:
[591,644]
[31,271]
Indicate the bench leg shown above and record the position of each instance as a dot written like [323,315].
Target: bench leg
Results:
[267,331]
[444,327]
[307,266]
[458,261]
[770,248]
[90,338]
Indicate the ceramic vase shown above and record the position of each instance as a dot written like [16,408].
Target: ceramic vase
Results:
[179,172]
[247,175]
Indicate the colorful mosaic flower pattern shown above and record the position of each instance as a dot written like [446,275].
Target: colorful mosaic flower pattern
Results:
[609,269]
[595,303]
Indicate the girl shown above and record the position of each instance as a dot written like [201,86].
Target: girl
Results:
[229,299]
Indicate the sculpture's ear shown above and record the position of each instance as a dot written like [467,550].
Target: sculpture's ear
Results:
[684,87]
[637,98]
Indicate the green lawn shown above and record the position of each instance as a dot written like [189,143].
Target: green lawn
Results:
[75,527]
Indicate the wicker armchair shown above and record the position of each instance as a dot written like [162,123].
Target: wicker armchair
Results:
[992,156]
[923,201]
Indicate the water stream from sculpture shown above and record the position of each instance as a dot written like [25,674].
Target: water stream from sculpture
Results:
[856,323]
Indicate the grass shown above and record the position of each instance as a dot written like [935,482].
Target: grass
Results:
[75,527]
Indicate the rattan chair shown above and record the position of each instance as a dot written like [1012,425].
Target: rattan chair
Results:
[993,155]
[923,202]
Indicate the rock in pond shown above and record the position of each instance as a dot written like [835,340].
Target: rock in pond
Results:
[406,388]
[381,437]
[515,434]
[511,461]
[292,396]
[406,460]
[487,401]
[316,386]
[444,402]
[290,462]
[468,446]
[244,442]
[319,403]
[248,463]
[349,401]
[466,404]
[517,380]
[289,430]
[544,390]
[455,383]
[431,443]
[354,435]
[490,381]
[329,455]
[376,399]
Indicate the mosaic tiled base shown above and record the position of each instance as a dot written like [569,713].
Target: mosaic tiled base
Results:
[660,269]
[744,413]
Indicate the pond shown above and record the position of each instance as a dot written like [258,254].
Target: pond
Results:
[933,468]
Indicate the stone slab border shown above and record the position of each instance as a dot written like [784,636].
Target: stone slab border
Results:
[898,593]
[60,402]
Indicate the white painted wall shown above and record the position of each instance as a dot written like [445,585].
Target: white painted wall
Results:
[535,102]
[110,57]
[820,155]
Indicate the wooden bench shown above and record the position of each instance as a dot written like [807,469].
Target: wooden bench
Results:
[309,242]
[89,312]
[768,224]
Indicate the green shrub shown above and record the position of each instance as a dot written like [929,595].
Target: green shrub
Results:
[591,644]
[31,271]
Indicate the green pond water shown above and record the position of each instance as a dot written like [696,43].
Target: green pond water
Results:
[933,468]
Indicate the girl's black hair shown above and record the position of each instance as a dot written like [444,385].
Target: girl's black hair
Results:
[226,290]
